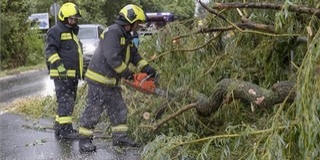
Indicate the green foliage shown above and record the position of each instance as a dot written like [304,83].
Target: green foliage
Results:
[35,48]
[234,131]
[161,144]
[111,9]
[19,45]
[307,103]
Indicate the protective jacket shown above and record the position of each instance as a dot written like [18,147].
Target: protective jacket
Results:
[64,47]
[112,56]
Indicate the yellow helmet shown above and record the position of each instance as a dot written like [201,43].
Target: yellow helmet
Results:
[68,10]
[133,13]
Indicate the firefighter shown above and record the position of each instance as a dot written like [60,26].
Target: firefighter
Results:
[65,63]
[108,65]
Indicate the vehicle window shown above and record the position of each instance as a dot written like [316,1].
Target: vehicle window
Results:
[87,33]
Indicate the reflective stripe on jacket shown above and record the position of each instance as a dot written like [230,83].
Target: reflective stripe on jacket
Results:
[64,47]
[112,56]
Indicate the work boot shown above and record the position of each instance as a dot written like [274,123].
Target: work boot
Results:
[85,144]
[65,131]
[122,139]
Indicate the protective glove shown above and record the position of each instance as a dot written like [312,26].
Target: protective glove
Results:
[149,70]
[62,71]
[127,74]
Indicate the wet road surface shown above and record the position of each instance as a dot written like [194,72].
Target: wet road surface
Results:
[26,84]
[23,139]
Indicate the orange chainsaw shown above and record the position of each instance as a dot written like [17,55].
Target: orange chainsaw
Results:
[145,84]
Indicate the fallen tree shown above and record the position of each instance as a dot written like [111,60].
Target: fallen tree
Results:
[233,89]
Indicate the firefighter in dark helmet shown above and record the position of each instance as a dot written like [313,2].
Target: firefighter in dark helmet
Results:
[65,63]
[108,65]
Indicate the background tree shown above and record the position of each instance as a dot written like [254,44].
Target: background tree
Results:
[22,46]
[17,38]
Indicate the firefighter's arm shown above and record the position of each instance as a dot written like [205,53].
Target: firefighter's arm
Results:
[51,48]
[51,51]
[112,53]
[141,64]
[137,60]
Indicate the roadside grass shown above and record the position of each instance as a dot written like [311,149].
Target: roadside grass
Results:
[32,107]
[37,107]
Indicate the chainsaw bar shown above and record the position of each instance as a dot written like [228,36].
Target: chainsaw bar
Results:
[161,92]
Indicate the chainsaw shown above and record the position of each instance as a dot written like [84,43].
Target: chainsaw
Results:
[145,84]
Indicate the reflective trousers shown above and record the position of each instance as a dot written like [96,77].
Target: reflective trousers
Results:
[104,98]
[66,93]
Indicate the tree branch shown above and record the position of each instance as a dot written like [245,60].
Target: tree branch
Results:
[291,8]
[212,11]
[171,116]
[250,25]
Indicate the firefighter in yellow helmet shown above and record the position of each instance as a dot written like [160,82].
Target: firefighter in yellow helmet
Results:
[108,65]
[64,60]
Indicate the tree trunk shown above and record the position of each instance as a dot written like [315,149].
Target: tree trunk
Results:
[229,89]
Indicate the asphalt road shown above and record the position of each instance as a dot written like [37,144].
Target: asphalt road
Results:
[32,83]
[25,139]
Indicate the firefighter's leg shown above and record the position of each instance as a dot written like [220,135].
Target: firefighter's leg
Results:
[117,112]
[65,92]
[90,116]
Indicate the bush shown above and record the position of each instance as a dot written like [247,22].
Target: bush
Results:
[20,45]
[35,48]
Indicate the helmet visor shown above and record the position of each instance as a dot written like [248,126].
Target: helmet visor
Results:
[76,16]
